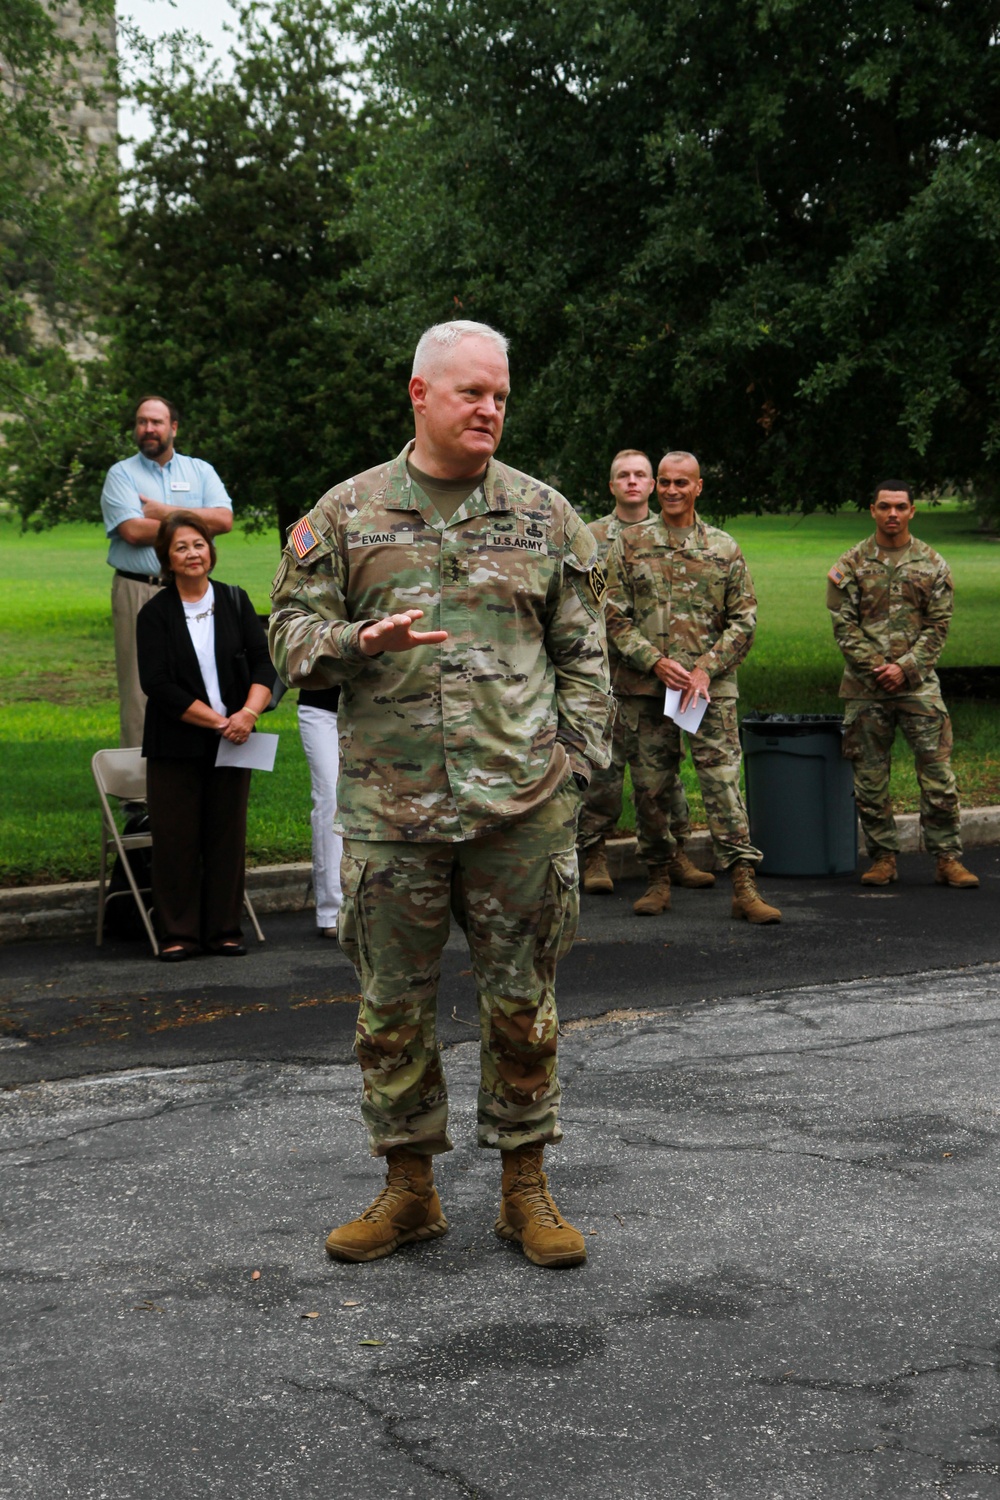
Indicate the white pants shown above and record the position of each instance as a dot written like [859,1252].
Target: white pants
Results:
[318,728]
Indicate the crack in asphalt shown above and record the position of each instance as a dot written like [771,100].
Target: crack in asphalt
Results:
[848,1044]
[168,1107]
[388,1422]
[887,1389]
[736,1146]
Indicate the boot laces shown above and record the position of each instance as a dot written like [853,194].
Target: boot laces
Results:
[534,1194]
[396,1185]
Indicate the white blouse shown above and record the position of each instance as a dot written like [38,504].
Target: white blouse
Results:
[200,618]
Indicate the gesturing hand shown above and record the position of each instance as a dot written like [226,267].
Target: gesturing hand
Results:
[396,633]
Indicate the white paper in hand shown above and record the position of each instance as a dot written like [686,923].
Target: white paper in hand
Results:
[257,753]
[692,716]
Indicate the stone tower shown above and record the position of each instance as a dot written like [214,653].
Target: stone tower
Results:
[94,121]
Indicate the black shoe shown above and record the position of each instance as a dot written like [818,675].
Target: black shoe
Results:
[230,950]
[174,955]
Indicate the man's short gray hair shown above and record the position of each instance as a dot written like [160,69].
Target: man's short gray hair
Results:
[442,338]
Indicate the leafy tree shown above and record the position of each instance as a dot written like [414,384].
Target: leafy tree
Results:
[762,229]
[53,191]
[236,298]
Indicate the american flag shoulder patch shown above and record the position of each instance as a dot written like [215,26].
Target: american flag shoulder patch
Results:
[303,538]
[837,575]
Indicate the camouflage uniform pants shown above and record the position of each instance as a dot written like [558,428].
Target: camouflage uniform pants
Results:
[515,893]
[602,803]
[869,731]
[715,751]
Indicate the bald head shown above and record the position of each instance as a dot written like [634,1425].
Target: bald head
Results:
[680,453]
[678,485]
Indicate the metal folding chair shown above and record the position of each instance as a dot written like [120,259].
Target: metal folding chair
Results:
[122,774]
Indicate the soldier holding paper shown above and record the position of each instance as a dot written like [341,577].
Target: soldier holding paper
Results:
[682,613]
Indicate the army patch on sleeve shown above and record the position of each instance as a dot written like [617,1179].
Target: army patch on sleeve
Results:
[837,576]
[598,584]
[303,538]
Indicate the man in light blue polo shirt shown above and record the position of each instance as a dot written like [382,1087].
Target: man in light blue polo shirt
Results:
[138,493]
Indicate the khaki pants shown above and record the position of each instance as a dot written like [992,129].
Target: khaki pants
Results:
[515,894]
[127,598]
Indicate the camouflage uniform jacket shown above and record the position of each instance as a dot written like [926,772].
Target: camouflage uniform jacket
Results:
[692,601]
[446,742]
[885,614]
[606,532]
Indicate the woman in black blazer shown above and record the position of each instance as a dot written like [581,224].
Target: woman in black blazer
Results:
[206,673]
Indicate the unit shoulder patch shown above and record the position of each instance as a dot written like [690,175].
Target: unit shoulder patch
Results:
[598,580]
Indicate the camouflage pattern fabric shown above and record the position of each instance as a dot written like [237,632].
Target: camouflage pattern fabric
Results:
[715,751]
[869,731]
[896,613]
[445,742]
[602,803]
[606,532]
[692,600]
[884,613]
[515,893]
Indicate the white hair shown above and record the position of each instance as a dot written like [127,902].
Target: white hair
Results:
[442,338]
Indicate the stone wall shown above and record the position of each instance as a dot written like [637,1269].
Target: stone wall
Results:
[96,122]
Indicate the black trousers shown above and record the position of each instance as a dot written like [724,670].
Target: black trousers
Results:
[198,820]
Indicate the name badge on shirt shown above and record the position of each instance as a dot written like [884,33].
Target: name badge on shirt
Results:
[380,539]
[179,487]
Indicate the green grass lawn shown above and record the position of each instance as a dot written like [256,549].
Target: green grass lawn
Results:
[57,683]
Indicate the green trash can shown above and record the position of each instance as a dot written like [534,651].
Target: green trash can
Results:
[800,794]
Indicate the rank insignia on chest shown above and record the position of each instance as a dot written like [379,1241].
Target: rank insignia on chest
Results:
[837,575]
[303,538]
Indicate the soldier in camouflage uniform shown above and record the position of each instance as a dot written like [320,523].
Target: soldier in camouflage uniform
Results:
[890,599]
[465,746]
[631,483]
[682,614]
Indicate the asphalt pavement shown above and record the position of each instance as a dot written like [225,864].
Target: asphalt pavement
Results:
[781,1142]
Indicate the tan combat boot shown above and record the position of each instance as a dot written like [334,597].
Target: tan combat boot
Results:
[407,1208]
[529,1216]
[951,871]
[683,872]
[882,872]
[747,900]
[656,897]
[596,875]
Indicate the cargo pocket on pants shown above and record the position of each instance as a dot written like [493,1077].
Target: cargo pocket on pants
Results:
[560,908]
[850,746]
[351,933]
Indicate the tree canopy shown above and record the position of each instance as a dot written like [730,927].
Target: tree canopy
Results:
[764,230]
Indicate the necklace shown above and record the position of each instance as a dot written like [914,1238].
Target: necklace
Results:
[203,616]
